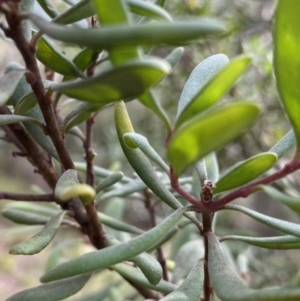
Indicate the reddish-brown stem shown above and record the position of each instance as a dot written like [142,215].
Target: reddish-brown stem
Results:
[89,152]
[27,197]
[245,191]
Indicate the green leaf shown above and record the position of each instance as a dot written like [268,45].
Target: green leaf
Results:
[284,144]
[10,119]
[245,171]
[129,36]
[287,61]
[134,140]
[8,84]
[41,240]
[24,218]
[174,57]
[129,80]
[290,201]
[212,167]
[191,287]
[140,163]
[206,133]
[109,181]
[54,59]
[186,258]
[216,77]
[150,267]
[287,227]
[26,7]
[200,168]
[134,275]
[53,291]
[49,8]
[285,242]
[199,77]
[109,256]
[69,187]
[222,277]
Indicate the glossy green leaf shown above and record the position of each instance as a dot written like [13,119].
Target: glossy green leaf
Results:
[140,163]
[134,140]
[191,288]
[48,7]
[245,171]
[24,218]
[113,254]
[281,225]
[287,61]
[129,80]
[186,258]
[290,201]
[134,275]
[69,187]
[118,225]
[285,242]
[214,77]
[41,240]
[206,133]
[129,36]
[150,267]
[174,57]
[53,291]
[284,144]
[54,59]
[10,119]
[8,84]
[199,77]
[222,277]
[109,181]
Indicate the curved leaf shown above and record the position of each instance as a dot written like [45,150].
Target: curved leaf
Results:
[174,57]
[222,277]
[287,61]
[114,254]
[24,218]
[41,240]
[134,140]
[212,167]
[284,144]
[9,119]
[206,133]
[285,242]
[26,6]
[48,7]
[245,171]
[200,168]
[191,288]
[129,80]
[290,201]
[216,78]
[146,34]
[69,187]
[287,227]
[53,291]
[8,84]
[200,75]
[109,181]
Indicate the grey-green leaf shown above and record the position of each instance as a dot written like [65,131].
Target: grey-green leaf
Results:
[53,291]
[284,144]
[9,119]
[114,254]
[41,240]
[109,181]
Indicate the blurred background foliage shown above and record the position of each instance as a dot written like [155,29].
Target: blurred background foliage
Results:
[250,24]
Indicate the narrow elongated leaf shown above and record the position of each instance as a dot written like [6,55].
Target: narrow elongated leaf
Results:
[200,168]
[48,7]
[69,187]
[199,77]
[8,84]
[26,7]
[212,167]
[290,201]
[285,242]
[284,226]
[53,291]
[146,34]
[140,163]
[54,59]
[24,218]
[9,119]
[109,181]
[216,78]
[284,144]
[174,57]
[191,287]
[136,276]
[207,133]
[41,240]
[114,254]
[129,80]
[134,140]
[222,277]
[245,171]
[287,61]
